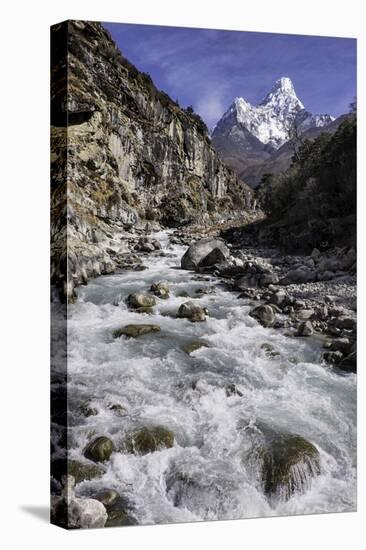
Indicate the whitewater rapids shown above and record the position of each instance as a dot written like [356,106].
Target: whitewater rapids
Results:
[157,383]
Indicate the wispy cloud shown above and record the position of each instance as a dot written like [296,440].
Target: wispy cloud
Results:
[209,68]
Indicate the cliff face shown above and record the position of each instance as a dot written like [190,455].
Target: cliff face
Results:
[129,154]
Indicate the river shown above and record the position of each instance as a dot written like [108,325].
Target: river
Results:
[158,383]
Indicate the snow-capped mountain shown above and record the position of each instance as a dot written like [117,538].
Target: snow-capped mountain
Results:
[248,134]
[272,121]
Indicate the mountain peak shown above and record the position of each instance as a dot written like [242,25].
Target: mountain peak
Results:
[284,83]
[272,120]
[283,91]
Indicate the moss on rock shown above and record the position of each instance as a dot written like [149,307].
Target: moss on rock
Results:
[134,331]
[81,471]
[147,440]
[99,450]
[289,463]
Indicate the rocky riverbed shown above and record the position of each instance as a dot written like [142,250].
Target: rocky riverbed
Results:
[210,379]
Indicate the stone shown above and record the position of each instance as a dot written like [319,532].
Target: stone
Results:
[156,244]
[304,314]
[264,314]
[305,329]
[88,410]
[146,247]
[149,439]
[248,281]
[299,276]
[182,294]
[81,471]
[160,289]
[99,450]
[134,331]
[231,389]
[194,346]
[279,298]
[289,464]
[147,310]
[138,299]
[268,278]
[107,497]
[76,513]
[347,323]
[119,517]
[205,253]
[349,363]
[118,409]
[192,311]
[269,350]
[215,257]
[329,264]
[341,344]
[204,290]
[348,260]
[333,357]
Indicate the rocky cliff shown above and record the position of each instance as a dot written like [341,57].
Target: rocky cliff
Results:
[122,153]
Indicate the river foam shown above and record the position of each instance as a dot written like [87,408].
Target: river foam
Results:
[205,474]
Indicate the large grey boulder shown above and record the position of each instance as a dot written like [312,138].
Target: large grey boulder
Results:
[205,253]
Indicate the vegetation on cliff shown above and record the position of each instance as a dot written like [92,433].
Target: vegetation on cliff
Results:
[314,201]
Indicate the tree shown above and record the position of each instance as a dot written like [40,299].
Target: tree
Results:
[296,140]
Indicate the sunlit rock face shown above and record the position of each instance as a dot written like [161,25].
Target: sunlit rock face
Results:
[129,154]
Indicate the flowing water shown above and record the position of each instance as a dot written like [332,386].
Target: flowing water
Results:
[157,383]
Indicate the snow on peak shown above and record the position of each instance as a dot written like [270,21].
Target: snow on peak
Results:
[272,120]
[284,83]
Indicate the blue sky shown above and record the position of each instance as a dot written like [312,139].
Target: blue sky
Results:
[209,68]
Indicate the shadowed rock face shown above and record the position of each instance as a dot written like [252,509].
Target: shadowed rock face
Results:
[129,154]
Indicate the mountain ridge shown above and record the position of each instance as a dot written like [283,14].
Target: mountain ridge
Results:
[273,122]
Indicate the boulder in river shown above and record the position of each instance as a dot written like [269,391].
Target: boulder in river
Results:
[194,346]
[269,350]
[264,314]
[147,440]
[305,329]
[192,311]
[289,464]
[349,363]
[107,497]
[87,409]
[99,450]
[139,299]
[80,471]
[117,508]
[134,331]
[205,253]
[160,289]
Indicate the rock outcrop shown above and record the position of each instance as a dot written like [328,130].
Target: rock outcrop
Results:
[123,153]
